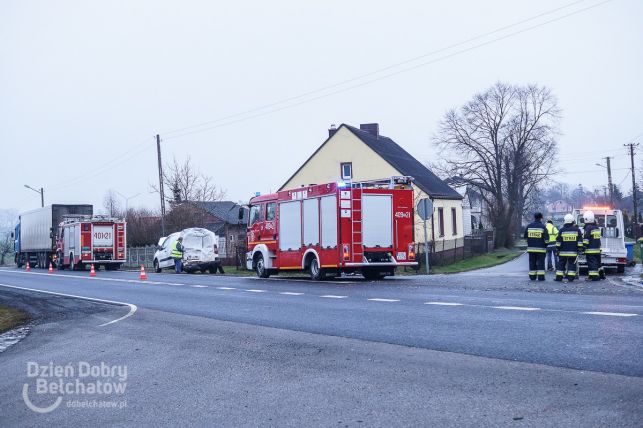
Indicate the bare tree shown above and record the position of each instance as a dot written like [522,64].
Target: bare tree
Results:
[188,184]
[111,204]
[503,143]
[143,227]
[8,219]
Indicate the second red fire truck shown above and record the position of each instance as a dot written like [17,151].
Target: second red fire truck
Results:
[326,229]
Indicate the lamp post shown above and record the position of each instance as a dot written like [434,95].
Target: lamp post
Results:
[127,198]
[42,194]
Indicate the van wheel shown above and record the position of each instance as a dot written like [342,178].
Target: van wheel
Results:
[316,273]
[620,268]
[157,269]
[262,272]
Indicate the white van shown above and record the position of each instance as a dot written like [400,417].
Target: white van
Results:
[613,251]
[200,251]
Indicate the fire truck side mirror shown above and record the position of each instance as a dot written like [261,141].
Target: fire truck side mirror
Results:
[241,213]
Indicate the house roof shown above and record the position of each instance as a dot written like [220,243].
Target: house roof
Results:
[399,159]
[227,211]
[406,164]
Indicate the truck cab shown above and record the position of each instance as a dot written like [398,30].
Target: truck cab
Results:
[613,251]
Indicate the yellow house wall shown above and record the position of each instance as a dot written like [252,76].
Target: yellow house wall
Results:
[344,146]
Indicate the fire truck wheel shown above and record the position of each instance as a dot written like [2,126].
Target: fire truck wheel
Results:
[372,274]
[262,272]
[59,261]
[72,265]
[316,273]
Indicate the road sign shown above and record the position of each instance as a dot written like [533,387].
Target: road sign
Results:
[425,208]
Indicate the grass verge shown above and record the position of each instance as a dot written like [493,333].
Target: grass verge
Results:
[486,260]
[11,318]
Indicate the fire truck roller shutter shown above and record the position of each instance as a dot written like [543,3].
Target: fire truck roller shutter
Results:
[377,220]
[311,221]
[328,221]
[289,225]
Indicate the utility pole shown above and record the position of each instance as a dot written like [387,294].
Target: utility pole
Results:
[609,181]
[158,152]
[635,199]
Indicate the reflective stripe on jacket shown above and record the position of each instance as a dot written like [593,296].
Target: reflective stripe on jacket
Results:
[177,253]
[592,239]
[569,241]
[537,237]
[553,233]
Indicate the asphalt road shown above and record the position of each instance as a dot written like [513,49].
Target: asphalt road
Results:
[481,348]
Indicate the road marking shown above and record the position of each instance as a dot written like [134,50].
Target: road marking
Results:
[611,314]
[383,300]
[198,286]
[332,296]
[516,308]
[290,293]
[443,303]
[226,288]
[96,278]
[256,291]
[132,308]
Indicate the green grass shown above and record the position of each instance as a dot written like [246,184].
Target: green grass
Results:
[486,260]
[10,318]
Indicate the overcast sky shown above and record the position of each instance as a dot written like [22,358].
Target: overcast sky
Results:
[85,85]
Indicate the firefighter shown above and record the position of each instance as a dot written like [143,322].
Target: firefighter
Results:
[177,254]
[592,244]
[552,259]
[568,243]
[537,237]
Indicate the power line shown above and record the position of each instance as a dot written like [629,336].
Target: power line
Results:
[135,151]
[385,76]
[372,73]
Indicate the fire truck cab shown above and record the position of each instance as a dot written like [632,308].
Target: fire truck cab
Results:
[328,229]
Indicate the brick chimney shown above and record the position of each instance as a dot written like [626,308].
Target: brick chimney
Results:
[332,130]
[371,128]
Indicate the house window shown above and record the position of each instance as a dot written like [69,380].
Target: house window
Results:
[441,221]
[454,221]
[346,170]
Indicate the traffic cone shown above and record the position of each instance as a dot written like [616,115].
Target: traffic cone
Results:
[51,268]
[143,275]
[92,272]
[27,269]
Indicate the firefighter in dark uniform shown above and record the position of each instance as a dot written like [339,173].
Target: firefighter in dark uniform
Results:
[569,243]
[592,244]
[537,237]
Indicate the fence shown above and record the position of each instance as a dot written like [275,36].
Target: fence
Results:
[450,251]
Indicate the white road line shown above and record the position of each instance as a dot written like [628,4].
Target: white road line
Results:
[383,300]
[443,303]
[226,288]
[132,308]
[198,286]
[332,296]
[289,293]
[516,308]
[610,314]
[256,291]
[96,278]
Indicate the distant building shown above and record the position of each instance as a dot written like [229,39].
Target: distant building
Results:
[222,218]
[355,154]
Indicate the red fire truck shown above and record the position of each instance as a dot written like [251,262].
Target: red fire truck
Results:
[83,240]
[327,229]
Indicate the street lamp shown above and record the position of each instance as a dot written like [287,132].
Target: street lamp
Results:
[42,194]
[127,198]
